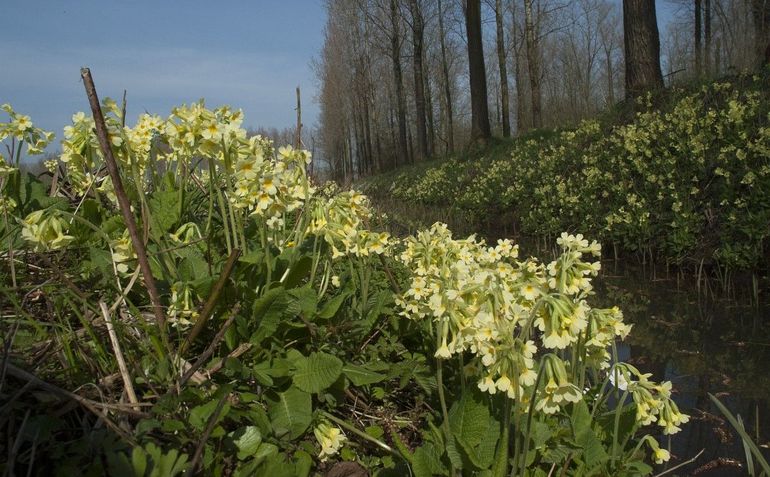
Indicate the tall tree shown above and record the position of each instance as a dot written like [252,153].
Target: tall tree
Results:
[480,130]
[418,30]
[760,13]
[642,46]
[707,33]
[610,40]
[395,52]
[518,72]
[533,64]
[698,37]
[446,83]
[501,60]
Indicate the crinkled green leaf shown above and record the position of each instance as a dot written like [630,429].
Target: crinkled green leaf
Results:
[469,419]
[360,375]
[317,372]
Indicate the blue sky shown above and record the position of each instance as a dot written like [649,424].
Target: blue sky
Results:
[249,54]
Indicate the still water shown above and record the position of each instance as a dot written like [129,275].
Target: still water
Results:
[703,345]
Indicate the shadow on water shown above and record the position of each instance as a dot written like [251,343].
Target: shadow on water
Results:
[703,346]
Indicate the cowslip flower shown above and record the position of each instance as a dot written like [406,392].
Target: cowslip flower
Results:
[330,439]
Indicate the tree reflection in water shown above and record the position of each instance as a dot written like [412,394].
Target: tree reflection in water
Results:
[703,346]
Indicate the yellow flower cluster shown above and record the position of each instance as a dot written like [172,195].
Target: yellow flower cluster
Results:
[7,204]
[197,131]
[504,311]
[330,439]
[653,401]
[123,254]
[80,151]
[341,219]
[21,128]
[46,231]
[140,139]
[183,311]
[479,296]
[270,188]
[658,183]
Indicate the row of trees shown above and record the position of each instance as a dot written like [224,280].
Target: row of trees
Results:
[405,80]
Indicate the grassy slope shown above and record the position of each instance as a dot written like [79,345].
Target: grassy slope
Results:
[683,176]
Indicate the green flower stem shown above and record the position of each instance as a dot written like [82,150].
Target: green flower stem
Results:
[618,412]
[501,458]
[530,413]
[10,251]
[181,190]
[602,397]
[268,257]
[516,436]
[316,259]
[211,200]
[218,194]
[444,411]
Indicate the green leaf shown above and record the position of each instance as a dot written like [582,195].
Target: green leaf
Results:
[268,311]
[265,451]
[402,448]
[484,454]
[539,434]
[638,468]
[113,225]
[453,453]
[199,415]
[254,257]
[248,441]
[139,461]
[303,462]
[361,376]
[469,419]
[262,373]
[192,266]
[317,372]
[164,212]
[307,299]
[331,307]
[427,462]
[290,412]
[747,440]
[593,450]
[298,272]
[31,194]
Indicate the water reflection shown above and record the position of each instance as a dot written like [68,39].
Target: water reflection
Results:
[703,346]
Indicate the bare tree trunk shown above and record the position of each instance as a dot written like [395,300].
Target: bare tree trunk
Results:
[642,46]
[368,135]
[480,130]
[503,69]
[431,124]
[521,99]
[533,65]
[392,127]
[610,77]
[447,84]
[698,37]
[419,84]
[760,13]
[395,51]
[707,32]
